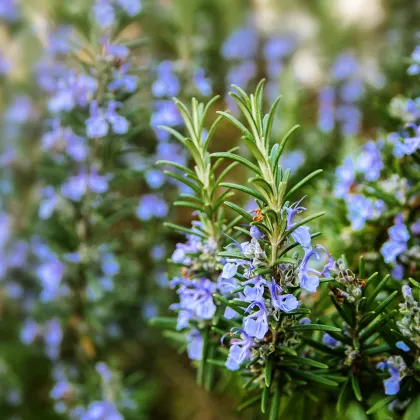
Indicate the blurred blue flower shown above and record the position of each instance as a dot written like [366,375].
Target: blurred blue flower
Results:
[240,45]
[397,243]
[104,13]
[102,410]
[195,345]
[326,112]
[167,83]
[345,177]
[131,7]
[345,66]
[150,206]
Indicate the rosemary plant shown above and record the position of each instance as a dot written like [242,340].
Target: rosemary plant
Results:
[197,258]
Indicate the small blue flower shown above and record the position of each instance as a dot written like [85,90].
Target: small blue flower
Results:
[29,331]
[397,244]
[308,277]
[397,369]
[241,45]
[301,235]
[53,336]
[345,66]
[103,370]
[131,7]
[103,410]
[229,270]
[256,233]
[240,350]
[167,83]
[195,345]
[96,124]
[330,341]
[398,272]
[284,302]
[48,203]
[104,13]
[256,324]
[326,115]
[254,289]
[370,162]
[151,206]
[346,176]
[202,83]
[402,346]
[155,178]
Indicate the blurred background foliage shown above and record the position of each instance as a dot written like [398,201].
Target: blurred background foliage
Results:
[308,51]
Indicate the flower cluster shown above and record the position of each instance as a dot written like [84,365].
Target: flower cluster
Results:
[61,266]
[240,50]
[378,185]
[250,288]
[338,103]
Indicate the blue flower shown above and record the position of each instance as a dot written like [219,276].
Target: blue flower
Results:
[398,272]
[48,203]
[104,13]
[301,235]
[229,270]
[5,66]
[370,162]
[360,209]
[293,160]
[350,118]
[330,341]
[256,233]
[308,277]
[326,117]
[284,302]
[279,47]
[241,45]
[346,176]
[414,68]
[102,410]
[109,265]
[402,346]
[155,178]
[96,125]
[9,10]
[352,90]
[397,369]
[50,272]
[195,345]
[29,331]
[256,324]
[167,83]
[240,350]
[202,83]
[122,80]
[397,244]
[131,7]
[196,296]
[256,290]
[77,148]
[53,336]
[77,186]
[166,113]
[345,66]
[103,370]
[150,206]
